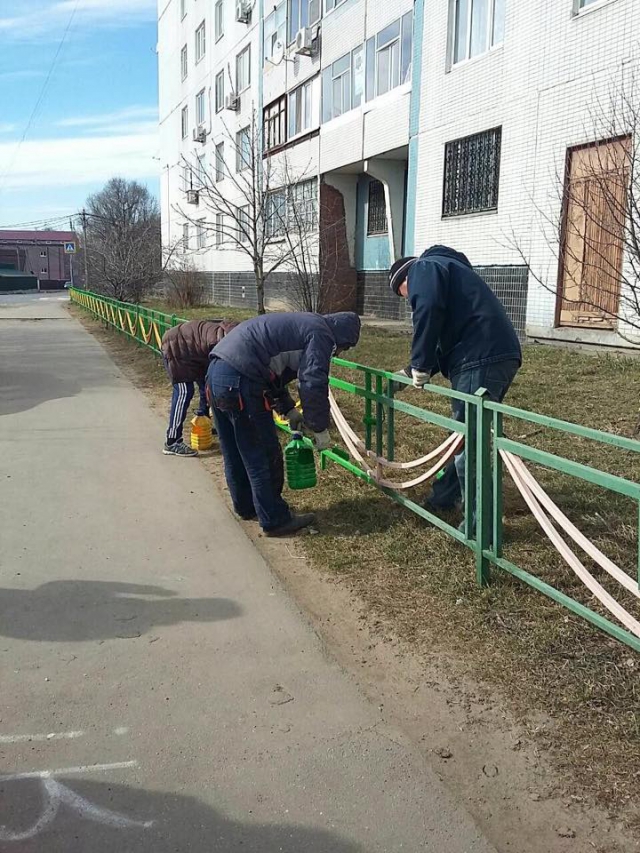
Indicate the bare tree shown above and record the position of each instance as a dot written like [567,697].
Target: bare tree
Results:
[124,257]
[244,197]
[596,248]
[185,286]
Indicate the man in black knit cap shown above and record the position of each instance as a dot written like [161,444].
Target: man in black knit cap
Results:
[460,329]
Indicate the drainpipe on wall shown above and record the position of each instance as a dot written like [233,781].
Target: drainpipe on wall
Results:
[414,125]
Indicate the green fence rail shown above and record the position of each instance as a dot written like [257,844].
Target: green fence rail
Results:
[485,444]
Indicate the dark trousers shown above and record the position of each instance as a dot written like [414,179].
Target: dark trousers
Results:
[180,399]
[496,378]
[248,437]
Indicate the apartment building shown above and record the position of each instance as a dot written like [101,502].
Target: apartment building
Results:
[505,129]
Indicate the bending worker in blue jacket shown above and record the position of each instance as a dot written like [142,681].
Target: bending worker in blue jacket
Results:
[248,374]
[460,329]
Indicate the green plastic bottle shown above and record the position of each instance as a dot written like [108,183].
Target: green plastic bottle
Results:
[300,463]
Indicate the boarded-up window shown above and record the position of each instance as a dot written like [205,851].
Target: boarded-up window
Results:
[593,238]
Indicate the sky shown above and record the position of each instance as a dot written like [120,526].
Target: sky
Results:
[78,103]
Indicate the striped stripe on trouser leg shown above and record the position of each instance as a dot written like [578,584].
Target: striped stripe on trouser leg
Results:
[180,399]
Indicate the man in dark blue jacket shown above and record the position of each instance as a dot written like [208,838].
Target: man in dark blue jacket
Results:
[248,374]
[460,329]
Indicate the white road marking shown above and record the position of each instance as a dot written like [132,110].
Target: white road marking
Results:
[69,771]
[57,794]
[50,736]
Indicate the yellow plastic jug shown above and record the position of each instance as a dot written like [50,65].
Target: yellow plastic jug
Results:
[201,436]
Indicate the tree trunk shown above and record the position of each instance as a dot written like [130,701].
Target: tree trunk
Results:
[260,291]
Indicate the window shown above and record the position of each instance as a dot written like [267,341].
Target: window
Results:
[275,30]
[185,122]
[377,210]
[220,162]
[201,107]
[219,229]
[389,57]
[184,64]
[219,91]
[185,237]
[302,13]
[478,25]
[304,107]
[343,85]
[332,4]
[275,213]
[183,8]
[302,210]
[43,270]
[243,70]
[243,149]
[201,170]
[275,124]
[43,254]
[578,5]
[218,15]
[472,173]
[187,177]
[201,235]
[201,42]
[244,233]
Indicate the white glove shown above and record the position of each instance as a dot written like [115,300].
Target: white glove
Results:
[322,440]
[420,379]
[296,419]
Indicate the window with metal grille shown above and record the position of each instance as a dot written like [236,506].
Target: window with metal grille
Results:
[472,173]
[377,215]
[275,124]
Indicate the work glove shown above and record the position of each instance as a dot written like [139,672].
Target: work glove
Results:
[420,378]
[322,440]
[396,387]
[296,419]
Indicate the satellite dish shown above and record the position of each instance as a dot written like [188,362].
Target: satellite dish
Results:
[278,52]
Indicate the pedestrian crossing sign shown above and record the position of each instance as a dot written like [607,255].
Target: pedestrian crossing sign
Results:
[69,248]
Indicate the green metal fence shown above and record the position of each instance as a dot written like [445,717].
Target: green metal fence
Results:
[487,450]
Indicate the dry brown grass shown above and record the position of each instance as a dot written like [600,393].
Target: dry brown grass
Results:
[546,662]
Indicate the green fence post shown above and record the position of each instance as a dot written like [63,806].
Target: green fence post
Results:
[368,419]
[470,446]
[391,416]
[483,489]
[497,485]
[379,418]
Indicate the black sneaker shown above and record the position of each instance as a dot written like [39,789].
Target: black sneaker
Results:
[179,448]
[295,523]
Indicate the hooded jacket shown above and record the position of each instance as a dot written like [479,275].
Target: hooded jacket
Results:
[186,347]
[276,348]
[458,321]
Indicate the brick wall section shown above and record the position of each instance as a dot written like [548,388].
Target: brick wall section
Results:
[339,278]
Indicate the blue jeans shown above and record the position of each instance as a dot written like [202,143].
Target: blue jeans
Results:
[248,437]
[496,378]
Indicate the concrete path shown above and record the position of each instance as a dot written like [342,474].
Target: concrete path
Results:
[160,690]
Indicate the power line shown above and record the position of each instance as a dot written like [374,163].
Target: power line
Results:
[51,220]
[41,96]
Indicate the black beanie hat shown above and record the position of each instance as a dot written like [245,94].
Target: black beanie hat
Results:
[398,272]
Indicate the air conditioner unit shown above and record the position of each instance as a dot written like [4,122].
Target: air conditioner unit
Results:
[200,133]
[243,11]
[305,42]
[193,197]
[232,102]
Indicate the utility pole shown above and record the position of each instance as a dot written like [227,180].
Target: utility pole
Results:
[84,249]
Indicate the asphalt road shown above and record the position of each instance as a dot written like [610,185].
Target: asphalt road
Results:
[160,690]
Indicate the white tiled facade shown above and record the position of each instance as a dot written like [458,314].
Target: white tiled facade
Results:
[554,66]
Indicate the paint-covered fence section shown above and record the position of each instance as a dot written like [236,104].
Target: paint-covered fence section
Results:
[491,455]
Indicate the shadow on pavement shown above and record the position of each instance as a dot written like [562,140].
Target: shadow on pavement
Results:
[77,611]
[26,389]
[81,816]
